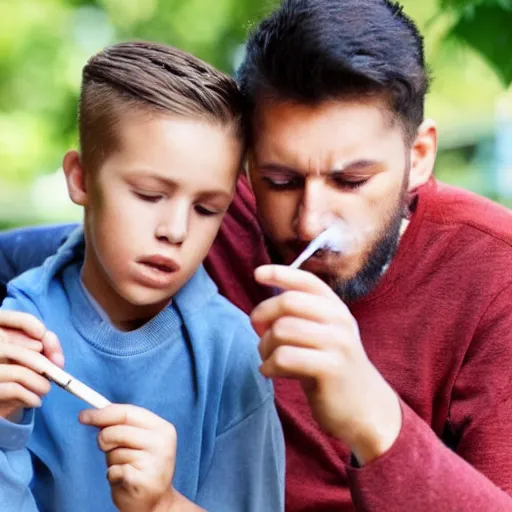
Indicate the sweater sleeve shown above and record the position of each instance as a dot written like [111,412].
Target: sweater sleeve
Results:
[419,472]
[247,469]
[16,470]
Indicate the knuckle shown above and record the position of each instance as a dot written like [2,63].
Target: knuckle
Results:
[103,440]
[282,357]
[288,300]
[14,390]
[278,330]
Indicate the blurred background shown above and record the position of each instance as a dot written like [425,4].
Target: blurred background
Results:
[45,43]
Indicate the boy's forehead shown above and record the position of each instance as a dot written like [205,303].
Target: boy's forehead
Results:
[176,150]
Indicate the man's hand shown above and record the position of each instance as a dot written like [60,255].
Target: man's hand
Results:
[308,333]
[141,457]
[23,338]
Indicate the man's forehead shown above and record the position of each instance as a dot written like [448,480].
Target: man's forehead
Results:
[328,136]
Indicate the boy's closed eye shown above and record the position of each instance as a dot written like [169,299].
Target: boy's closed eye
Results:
[148,197]
[202,210]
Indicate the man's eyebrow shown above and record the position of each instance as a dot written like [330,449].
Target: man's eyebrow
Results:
[357,165]
[354,166]
[276,168]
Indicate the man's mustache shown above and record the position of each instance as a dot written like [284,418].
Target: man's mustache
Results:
[296,247]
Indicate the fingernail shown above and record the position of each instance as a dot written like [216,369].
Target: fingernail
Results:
[262,272]
[84,417]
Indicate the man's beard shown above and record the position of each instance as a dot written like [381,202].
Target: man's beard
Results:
[364,282]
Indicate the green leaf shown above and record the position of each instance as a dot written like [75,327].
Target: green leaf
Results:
[488,29]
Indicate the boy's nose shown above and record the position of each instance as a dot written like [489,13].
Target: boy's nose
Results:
[174,228]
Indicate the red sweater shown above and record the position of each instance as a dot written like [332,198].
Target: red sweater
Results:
[439,328]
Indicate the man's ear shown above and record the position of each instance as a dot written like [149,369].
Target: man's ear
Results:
[423,155]
[75,178]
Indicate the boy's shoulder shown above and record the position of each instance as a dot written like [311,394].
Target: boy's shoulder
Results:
[226,349]
[207,313]
[33,285]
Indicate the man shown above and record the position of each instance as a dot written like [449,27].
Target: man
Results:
[391,361]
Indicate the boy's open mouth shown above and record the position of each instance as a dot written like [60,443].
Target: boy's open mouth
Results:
[160,263]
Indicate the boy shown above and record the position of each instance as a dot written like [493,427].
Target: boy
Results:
[138,318]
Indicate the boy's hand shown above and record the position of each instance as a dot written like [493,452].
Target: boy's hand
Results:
[21,336]
[141,456]
[309,334]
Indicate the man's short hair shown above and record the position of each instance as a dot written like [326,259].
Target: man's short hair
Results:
[151,78]
[314,50]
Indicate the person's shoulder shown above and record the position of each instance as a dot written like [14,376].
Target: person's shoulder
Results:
[25,248]
[210,315]
[226,349]
[473,214]
[34,284]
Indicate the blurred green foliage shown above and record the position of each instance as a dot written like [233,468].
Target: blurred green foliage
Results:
[45,43]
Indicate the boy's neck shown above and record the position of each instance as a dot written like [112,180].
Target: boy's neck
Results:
[124,315]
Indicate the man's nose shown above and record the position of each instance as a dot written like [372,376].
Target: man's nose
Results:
[313,215]
[173,227]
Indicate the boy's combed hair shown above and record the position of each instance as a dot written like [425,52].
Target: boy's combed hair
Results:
[151,78]
[315,50]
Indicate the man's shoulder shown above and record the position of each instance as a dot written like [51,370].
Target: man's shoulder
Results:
[455,207]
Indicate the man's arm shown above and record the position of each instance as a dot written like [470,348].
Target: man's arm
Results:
[25,248]
[419,473]
[309,335]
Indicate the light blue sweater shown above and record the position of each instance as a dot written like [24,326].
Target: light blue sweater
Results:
[195,364]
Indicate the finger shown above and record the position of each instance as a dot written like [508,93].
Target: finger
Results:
[20,338]
[25,377]
[300,305]
[33,360]
[52,349]
[25,322]
[298,333]
[124,474]
[121,414]
[14,392]
[120,456]
[126,436]
[288,278]
[299,363]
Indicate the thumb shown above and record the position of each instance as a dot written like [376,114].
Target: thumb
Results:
[52,348]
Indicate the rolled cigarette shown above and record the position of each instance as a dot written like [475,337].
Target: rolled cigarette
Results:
[72,385]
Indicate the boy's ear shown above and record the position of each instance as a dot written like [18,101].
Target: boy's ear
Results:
[75,178]
[423,155]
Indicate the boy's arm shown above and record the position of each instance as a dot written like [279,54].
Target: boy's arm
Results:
[15,476]
[247,470]
[16,470]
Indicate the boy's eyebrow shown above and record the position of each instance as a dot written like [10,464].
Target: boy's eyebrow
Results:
[356,165]
[207,194]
